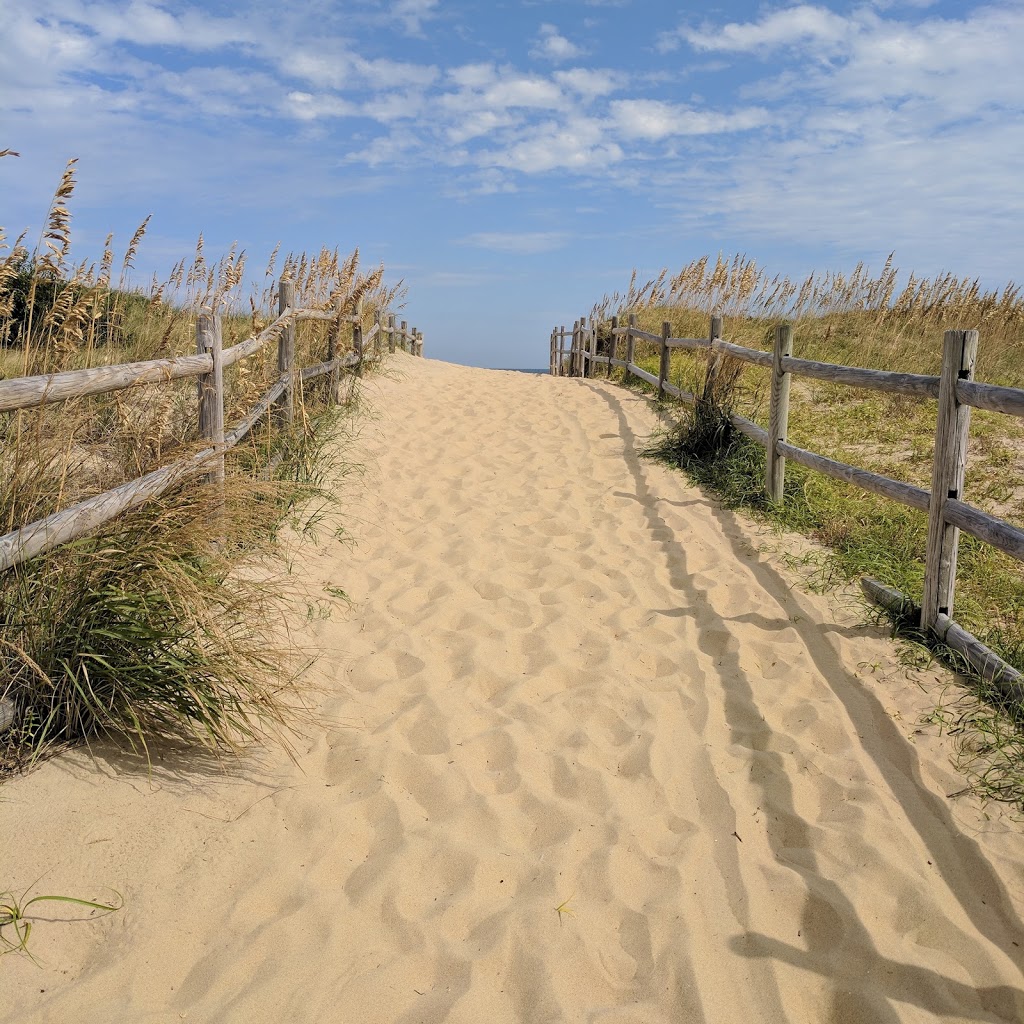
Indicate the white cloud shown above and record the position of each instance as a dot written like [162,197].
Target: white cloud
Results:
[903,113]
[592,83]
[412,13]
[655,120]
[551,45]
[149,24]
[305,106]
[504,90]
[576,144]
[522,243]
[473,76]
[478,123]
[791,26]
[881,121]
[394,106]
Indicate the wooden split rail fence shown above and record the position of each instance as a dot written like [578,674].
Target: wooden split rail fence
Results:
[207,365]
[956,392]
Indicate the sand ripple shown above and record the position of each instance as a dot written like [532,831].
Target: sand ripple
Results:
[569,681]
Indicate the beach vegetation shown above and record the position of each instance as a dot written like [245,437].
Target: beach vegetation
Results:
[170,620]
[16,921]
[869,320]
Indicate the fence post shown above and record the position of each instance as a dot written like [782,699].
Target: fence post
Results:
[333,336]
[357,336]
[630,342]
[286,349]
[391,332]
[561,350]
[778,414]
[584,347]
[959,351]
[412,341]
[592,369]
[405,335]
[210,338]
[378,319]
[666,333]
[572,349]
[714,358]
[613,347]
[419,344]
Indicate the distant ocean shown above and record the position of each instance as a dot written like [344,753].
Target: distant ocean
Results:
[519,369]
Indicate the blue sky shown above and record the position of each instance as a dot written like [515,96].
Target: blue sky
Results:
[513,161]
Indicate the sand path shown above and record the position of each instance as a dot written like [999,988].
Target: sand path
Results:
[568,681]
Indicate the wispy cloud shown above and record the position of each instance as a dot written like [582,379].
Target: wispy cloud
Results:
[900,111]
[411,14]
[520,243]
[551,45]
[787,27]
[655,120]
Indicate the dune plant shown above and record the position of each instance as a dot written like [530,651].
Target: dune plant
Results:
[881,321]
[172,619]
[14,914]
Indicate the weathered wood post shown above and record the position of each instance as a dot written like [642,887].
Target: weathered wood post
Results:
[286,350]
[405,335]
[663,364]
[593,348]
[778,414]
[391,332]
[412,341]
[333,337]
[357,336]
[572,348]
[630,342]
[210,339]
[613,348]
[378,319]
[584,347]
[959,352]
[714,358]
[419,344]
[551,353]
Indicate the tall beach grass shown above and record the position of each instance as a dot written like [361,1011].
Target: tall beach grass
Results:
[172,619]
[882,321]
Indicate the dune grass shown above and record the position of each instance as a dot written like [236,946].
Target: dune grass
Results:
[862,320]
[170,620]
[15,915]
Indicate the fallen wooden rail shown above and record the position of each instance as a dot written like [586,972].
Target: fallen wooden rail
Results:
[984,661]
[954,389]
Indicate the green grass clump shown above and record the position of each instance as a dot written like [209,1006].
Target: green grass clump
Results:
[14,914]
[861,320]
[171,619]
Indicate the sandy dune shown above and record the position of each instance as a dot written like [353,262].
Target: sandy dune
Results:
[567,681]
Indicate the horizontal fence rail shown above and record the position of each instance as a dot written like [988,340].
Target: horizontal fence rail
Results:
[956,393]
[208,366]
[26,392]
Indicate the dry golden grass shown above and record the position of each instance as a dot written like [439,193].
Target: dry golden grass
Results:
[867,320]
[859,319]
[148,628]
